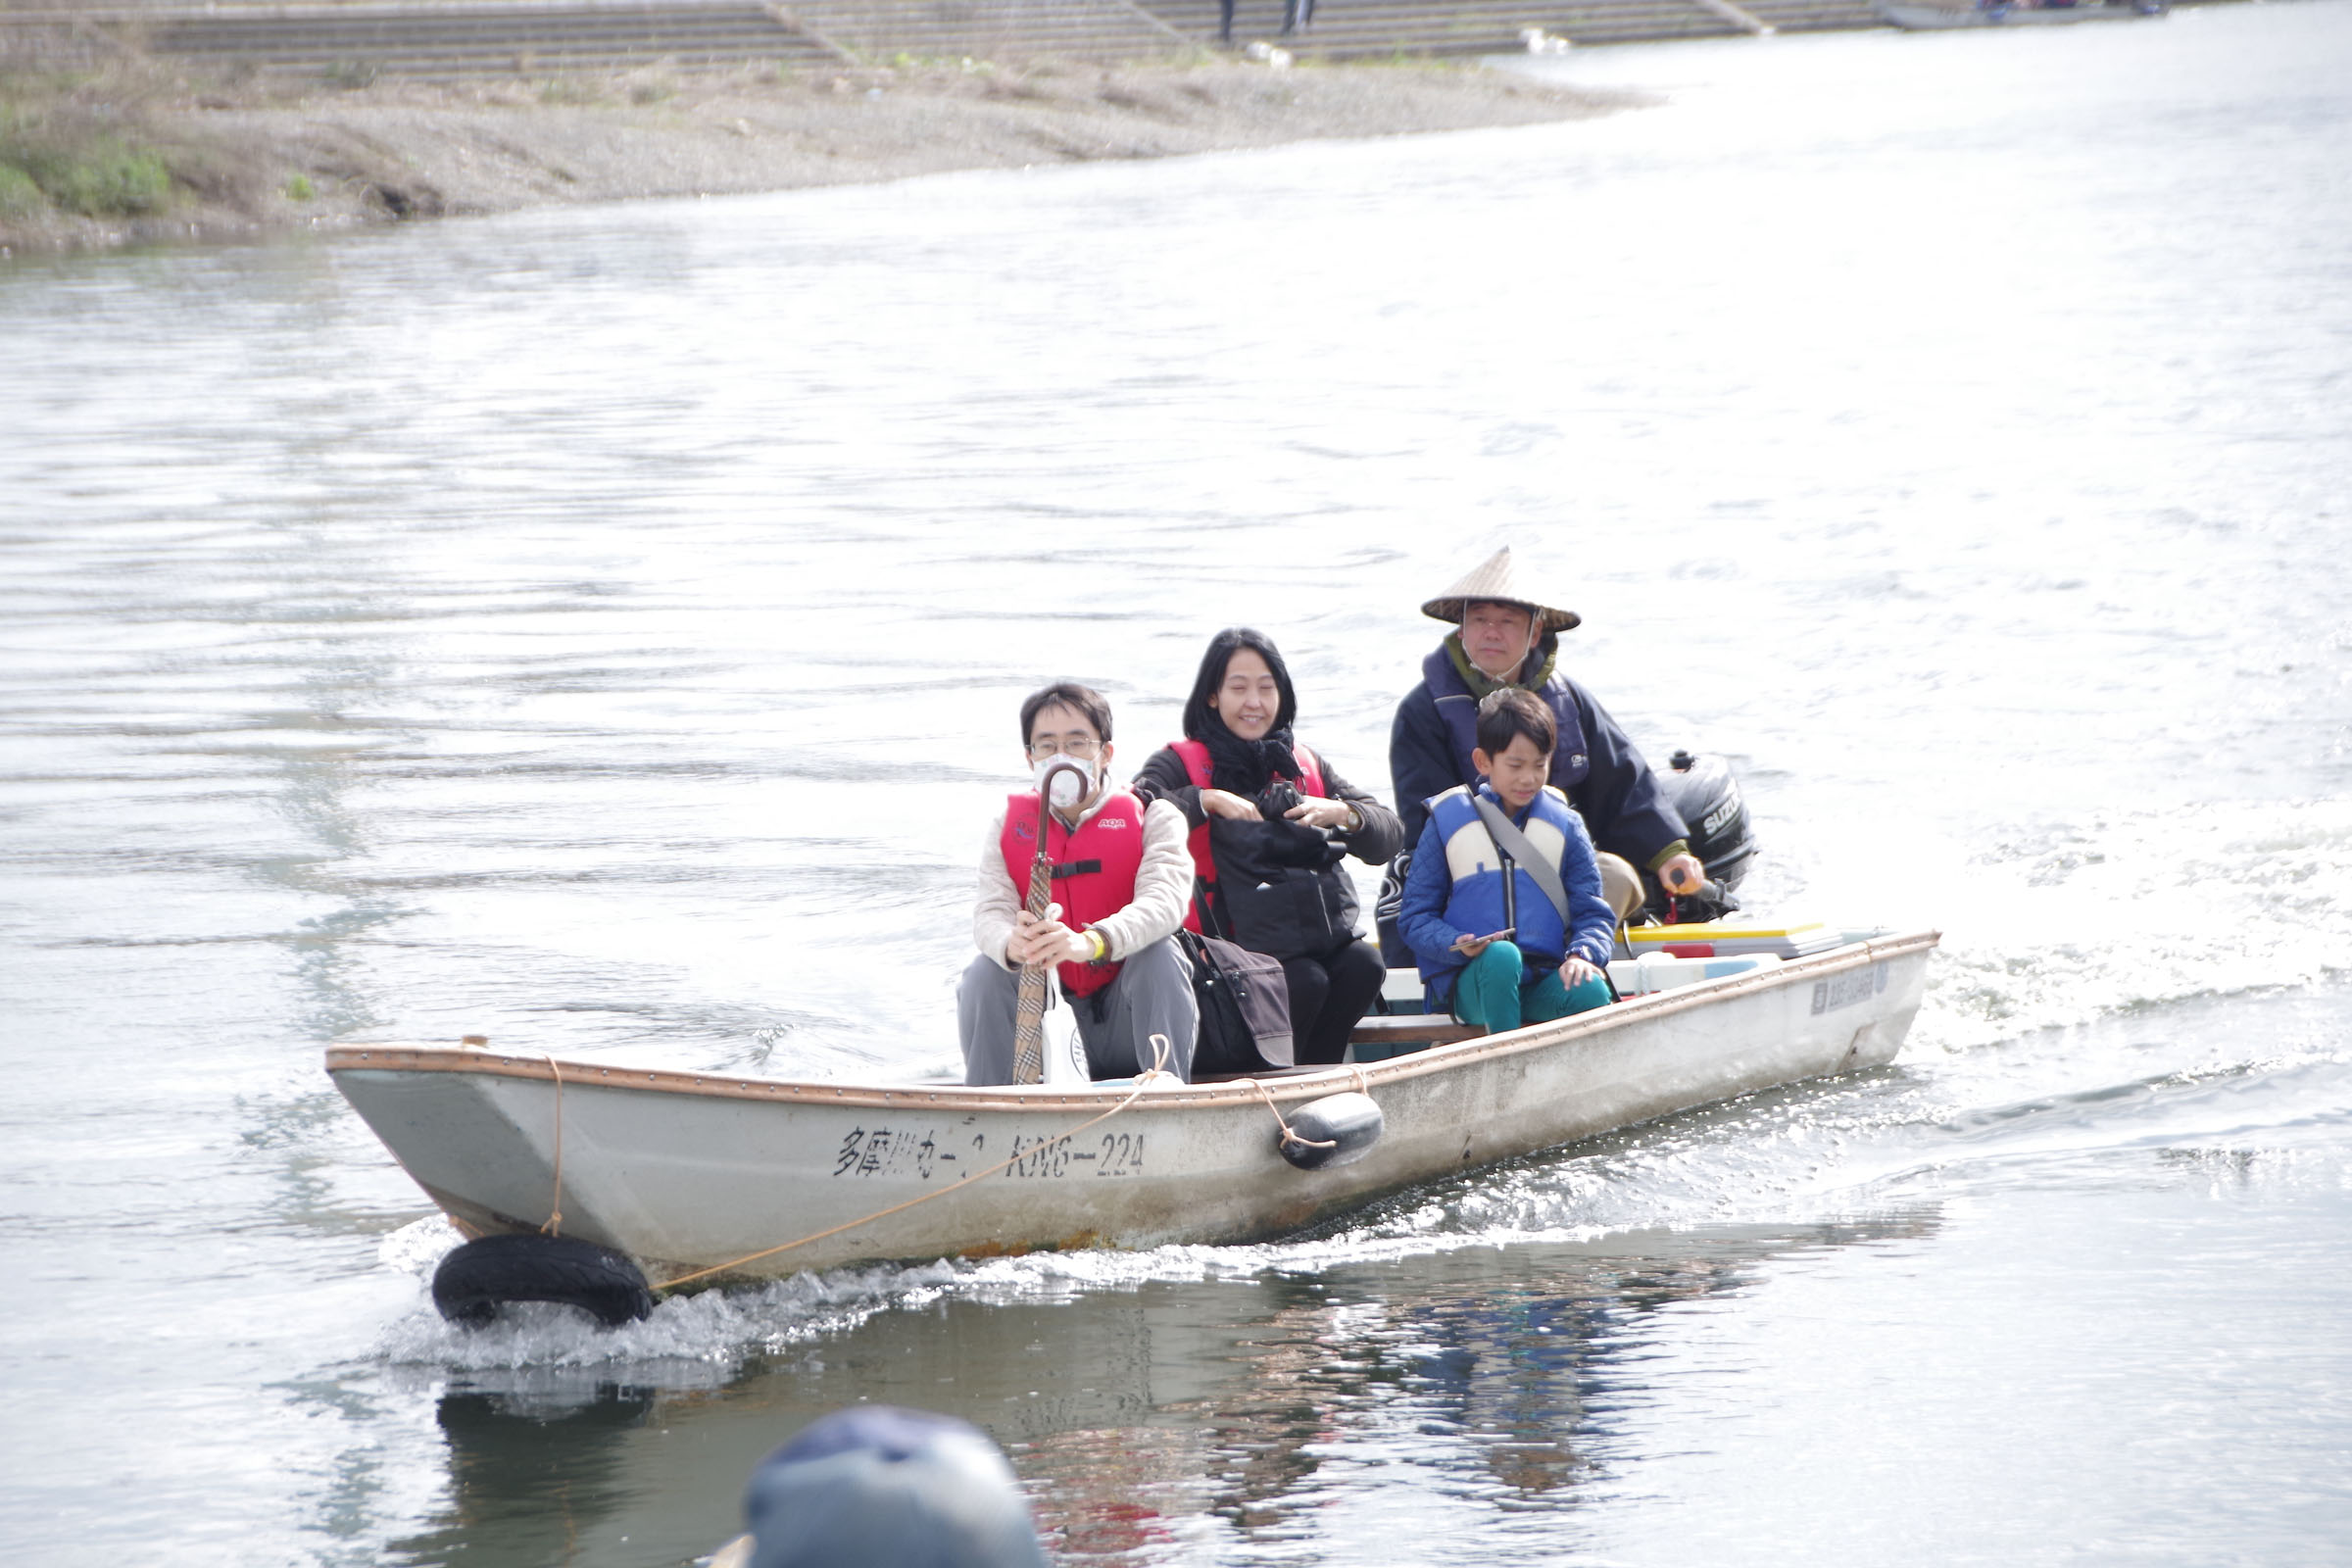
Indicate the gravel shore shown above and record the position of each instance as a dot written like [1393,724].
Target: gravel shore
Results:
[247,160]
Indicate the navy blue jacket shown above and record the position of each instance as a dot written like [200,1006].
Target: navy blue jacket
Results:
[1595,764]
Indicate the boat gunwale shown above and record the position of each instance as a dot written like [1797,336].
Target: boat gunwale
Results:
[482,1062]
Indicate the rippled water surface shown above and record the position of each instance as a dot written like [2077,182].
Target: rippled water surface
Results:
[602,630]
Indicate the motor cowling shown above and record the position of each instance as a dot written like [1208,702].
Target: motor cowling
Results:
[1703,792]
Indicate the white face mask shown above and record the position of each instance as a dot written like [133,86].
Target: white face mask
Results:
[1067,790]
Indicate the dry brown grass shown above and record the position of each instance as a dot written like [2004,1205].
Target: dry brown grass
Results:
[101,146]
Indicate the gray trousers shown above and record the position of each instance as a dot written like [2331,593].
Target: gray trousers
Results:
[1152,995]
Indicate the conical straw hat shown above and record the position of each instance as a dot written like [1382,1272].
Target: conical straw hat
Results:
[1497,583]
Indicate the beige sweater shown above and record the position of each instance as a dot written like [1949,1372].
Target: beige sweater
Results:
[1164,887]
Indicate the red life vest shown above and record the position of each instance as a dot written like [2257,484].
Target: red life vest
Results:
[1194,757]
[1094,868]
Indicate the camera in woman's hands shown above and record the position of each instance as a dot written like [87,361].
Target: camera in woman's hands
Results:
[1277,800]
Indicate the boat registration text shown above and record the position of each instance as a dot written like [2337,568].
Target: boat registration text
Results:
[1846,990]
[921,1154]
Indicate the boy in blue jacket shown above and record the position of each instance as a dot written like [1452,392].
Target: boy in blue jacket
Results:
[1502,905]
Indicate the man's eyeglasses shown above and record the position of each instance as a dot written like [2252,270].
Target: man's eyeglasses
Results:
[1082,749]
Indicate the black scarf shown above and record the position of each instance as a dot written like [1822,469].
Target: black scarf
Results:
[1246,768]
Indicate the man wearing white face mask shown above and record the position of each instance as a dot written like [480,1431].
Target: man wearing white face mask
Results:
[1122,875]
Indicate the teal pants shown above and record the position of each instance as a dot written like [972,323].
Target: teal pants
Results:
[1487,993]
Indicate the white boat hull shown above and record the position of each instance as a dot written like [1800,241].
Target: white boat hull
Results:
[688,1172]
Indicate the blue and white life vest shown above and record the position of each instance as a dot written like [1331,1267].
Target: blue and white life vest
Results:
[1484,899]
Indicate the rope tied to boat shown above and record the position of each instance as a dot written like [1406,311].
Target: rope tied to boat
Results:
[1288,1135]
[1363,1086]
[554,1200]
[1143,1080]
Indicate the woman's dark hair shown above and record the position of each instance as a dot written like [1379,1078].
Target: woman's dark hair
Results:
[1084,701]
[1199,715]
[1511,712]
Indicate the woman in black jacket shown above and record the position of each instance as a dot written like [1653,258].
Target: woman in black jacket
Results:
[1278,820]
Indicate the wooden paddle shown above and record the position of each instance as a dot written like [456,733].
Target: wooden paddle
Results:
[1029,1013]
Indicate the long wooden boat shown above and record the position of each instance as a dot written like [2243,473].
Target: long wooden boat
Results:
[1931,18]
[709,1175]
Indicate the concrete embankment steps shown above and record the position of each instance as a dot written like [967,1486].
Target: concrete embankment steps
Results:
[481,38]
[1357,30]
[1815,16]
[445,42]
[434,42]
[991,30]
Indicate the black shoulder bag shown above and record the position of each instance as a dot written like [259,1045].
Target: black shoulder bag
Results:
[1245,1001]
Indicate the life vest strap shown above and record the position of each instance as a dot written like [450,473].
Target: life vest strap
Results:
[1077,868]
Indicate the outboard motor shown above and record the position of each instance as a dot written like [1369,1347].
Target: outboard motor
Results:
[1707,797]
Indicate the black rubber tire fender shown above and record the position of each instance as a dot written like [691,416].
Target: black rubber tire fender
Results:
[479,1277]
[1335,1130]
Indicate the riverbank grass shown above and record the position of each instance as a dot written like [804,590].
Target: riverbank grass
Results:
[84,146]
[87,177]
[129,149]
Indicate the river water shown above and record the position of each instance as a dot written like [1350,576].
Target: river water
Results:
[602,629]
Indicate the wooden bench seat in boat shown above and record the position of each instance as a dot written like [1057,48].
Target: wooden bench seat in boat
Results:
[1379,1036]
[1375,1036]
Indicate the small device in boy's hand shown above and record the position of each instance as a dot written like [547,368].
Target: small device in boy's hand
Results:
[1466,942]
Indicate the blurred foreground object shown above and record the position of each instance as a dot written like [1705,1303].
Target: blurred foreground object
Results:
[877,1484]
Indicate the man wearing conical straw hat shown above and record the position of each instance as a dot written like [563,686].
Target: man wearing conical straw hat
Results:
[1506,633]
